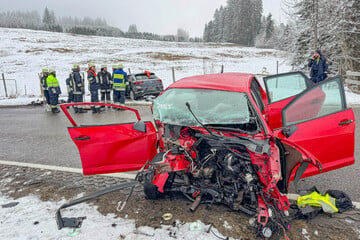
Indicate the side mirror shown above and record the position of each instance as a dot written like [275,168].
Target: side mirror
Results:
[288,131]
[140,126]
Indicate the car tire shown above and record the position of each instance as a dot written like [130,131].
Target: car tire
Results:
[132,95]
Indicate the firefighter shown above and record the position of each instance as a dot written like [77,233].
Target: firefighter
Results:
[93,87]
[105,80]
[54,90]
[45,73]
[119,85]
[70,89]
[78,87]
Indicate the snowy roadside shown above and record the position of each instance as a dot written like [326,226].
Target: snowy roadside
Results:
[32,218]
[30,197]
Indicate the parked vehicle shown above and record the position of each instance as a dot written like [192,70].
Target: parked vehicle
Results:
[144,84]
[222,138]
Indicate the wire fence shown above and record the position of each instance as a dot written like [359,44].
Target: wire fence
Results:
[8,87]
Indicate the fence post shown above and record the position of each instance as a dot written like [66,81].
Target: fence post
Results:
[16,90]
[173,74]
[3,77]
[277,67]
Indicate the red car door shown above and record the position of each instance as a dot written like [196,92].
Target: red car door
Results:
[281,89]
[319,121]
[114,147]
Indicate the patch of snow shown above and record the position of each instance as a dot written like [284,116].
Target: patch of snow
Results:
[305,233]
[227,225]
[34,219]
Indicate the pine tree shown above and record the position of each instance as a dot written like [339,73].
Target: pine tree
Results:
[238,22]
[269,28]
[46,16]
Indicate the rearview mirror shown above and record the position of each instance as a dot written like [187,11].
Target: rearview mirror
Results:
[140,126]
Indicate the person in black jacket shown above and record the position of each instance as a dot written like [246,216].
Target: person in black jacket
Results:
[105,80]
[93,87]
[45,73]
[77,83]
[318,67]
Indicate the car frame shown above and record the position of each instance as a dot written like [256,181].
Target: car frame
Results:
[302,130]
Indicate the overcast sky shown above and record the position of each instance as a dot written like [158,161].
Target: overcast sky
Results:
[158,16]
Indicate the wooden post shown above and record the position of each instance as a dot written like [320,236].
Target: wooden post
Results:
[16,90]
[173,74]
[204,65]
[3,77]
[277,67]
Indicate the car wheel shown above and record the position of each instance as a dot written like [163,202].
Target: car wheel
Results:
[132,95]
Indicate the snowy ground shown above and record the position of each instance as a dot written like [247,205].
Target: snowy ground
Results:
[24,52]
[37,222]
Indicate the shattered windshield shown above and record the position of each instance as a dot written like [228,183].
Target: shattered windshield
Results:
[210,106]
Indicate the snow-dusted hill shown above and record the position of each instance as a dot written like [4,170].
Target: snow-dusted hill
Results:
[24,52]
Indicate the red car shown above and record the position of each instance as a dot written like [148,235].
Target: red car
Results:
[222,138]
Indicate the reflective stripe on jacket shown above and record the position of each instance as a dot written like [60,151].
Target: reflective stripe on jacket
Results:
[119,81]
[52,81]
[77,82]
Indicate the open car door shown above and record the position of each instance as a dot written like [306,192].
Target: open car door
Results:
[319,121]
[114,147]
[281,89]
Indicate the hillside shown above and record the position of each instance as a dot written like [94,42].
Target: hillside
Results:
[24,52]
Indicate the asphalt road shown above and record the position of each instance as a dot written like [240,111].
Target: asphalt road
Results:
[31,135]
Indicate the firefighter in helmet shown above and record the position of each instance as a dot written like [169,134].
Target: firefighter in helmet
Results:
[77,82]
[44,75]
[70,88]
[105,80]
[54,90]
[119,85]
[93,87]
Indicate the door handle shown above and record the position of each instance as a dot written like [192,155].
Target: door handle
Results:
[346,122]
[82,138]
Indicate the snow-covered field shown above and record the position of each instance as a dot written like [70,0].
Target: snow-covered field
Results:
[24,52]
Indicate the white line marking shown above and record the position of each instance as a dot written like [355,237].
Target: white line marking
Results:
[129,175]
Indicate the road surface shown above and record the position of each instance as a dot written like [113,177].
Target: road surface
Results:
[31,135]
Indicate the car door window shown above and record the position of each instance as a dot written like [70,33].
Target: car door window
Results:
[286,85]
[324,99]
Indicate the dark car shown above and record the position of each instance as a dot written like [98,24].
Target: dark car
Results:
[143,84]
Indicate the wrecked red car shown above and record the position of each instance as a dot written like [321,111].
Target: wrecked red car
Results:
[223,138]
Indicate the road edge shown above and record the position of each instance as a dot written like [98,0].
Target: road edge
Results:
[128,175]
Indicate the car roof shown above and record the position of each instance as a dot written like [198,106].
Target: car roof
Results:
[235,82]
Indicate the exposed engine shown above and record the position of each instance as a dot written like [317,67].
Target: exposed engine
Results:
[208,168]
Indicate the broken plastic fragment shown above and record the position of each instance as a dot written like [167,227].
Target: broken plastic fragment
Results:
[195,226]
[167,216]
[73,232]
